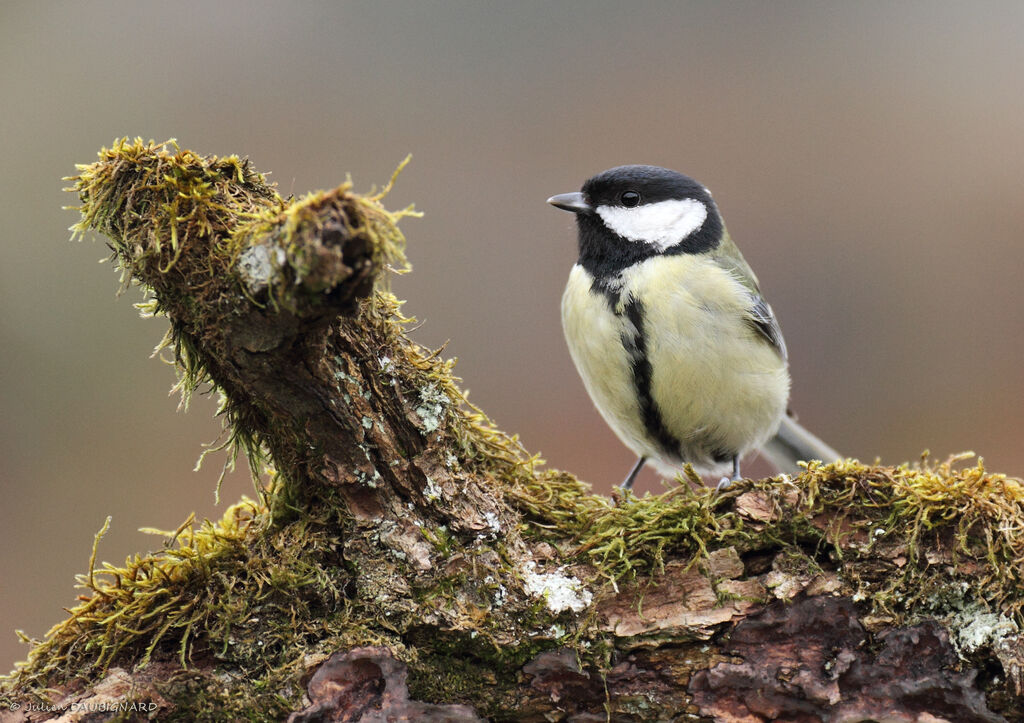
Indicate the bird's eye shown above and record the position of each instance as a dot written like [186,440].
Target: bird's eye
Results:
[629,199]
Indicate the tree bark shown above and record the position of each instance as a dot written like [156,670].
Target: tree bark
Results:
[409,561]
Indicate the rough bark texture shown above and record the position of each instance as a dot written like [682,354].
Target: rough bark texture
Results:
[411,562]
[368,684]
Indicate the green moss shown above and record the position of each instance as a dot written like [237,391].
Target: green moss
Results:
[626,539]
[205,699]
[234,589]
[456,668]
[262,599]
[833,514]
[179,224]
[284,259]
[441,540]
[452,678]
[287,580]
[156,201]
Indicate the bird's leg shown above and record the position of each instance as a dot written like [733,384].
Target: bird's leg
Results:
[726,481]
[627,484]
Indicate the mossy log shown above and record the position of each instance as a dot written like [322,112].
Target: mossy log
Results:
[406,560]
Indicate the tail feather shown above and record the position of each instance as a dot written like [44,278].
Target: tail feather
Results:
[792,444]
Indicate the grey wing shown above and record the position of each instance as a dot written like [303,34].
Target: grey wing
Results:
[762,320]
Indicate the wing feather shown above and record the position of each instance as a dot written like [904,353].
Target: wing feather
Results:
[762,320]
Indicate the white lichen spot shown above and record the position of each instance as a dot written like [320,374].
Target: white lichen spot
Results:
[431,408]
[500,593]
[975,628]
[491,518]
[370,481]
[255,268]
[560,592]
[345,377]
[367,423]
[432,491]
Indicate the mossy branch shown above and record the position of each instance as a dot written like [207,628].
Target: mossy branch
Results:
[407,557]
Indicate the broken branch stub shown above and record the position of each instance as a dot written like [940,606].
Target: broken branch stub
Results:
[282,304]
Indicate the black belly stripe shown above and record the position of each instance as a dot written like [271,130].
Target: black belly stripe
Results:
[636,347]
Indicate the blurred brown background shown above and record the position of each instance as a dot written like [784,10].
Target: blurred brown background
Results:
[867,158]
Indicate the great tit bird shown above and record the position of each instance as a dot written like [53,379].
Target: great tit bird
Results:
[667,327]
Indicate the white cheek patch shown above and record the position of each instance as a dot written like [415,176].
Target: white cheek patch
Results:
[662,224]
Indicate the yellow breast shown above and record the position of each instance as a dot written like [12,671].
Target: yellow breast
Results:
[717,386]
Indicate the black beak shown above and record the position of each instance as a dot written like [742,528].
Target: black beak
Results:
[574,202]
